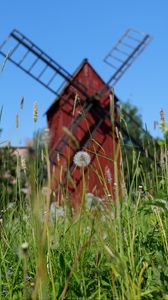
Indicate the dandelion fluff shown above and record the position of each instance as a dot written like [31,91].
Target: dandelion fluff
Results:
[23,251]
[24,246]
[82,159]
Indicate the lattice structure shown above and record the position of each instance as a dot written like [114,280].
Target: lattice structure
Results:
[125,52]
[22,52]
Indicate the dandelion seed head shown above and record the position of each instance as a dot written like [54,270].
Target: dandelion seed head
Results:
[25,246]
[24,249]
[26,191]
[82,159]
[32,284]
[56,211]
[25,218]
[93,201]
[11,205]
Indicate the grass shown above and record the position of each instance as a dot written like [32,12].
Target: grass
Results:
[107,250]
[104,251]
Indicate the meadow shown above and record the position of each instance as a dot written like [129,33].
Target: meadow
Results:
[106,250]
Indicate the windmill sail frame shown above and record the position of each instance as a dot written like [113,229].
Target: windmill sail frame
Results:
[125,52]
[21,41]
[29,48]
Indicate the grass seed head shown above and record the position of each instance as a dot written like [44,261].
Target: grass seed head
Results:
[108,174]
[46,136]
[35,112]
[17,120]
[23,164]
[162,117]
[22,102]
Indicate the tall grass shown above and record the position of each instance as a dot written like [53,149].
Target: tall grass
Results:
[106,251]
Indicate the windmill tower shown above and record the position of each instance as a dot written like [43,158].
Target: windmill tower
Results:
[80,117]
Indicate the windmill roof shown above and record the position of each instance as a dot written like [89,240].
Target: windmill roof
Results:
[85,61]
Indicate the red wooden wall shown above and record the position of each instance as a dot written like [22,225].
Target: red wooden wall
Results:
[104,145]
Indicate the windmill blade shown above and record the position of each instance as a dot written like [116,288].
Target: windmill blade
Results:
[22,52]
[125,52]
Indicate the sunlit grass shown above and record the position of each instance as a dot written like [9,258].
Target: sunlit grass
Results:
[104,251]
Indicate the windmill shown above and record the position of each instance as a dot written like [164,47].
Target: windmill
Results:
[80,117]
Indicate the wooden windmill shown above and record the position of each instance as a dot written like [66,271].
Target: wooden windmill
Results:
[81,117]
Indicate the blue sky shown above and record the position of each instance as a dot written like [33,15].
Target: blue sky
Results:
[72,30]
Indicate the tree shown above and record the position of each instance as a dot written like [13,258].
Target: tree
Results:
[136,140]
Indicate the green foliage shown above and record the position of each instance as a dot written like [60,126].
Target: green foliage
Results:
[9,185]
[37,162]
[107,250]
[132,121]
[137,142]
